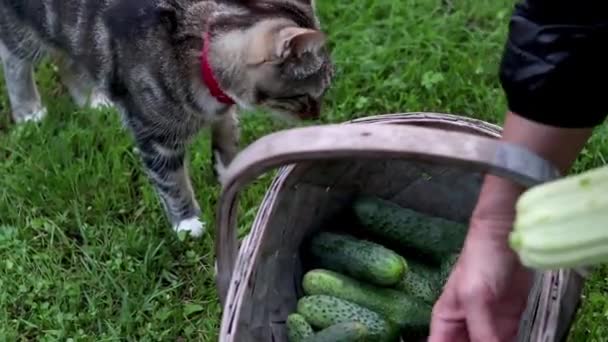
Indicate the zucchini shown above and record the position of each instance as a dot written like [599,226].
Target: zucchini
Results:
[402,309]
[297,328]
[562,223]
[360,259]
[341,332]
[409,230]
[323,311]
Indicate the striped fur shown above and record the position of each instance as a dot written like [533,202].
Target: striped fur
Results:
[143,56]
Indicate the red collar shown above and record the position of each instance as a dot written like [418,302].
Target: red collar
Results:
[208,76]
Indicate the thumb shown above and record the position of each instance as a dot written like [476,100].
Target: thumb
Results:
[448,321]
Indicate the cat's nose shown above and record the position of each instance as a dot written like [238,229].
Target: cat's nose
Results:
[308,115]
[313,111]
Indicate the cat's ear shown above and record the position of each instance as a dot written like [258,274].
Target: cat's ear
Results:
[296,41]
[168,18]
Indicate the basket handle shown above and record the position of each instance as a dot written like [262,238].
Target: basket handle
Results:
[363,140]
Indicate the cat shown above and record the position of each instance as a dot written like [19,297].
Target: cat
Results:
[170,67]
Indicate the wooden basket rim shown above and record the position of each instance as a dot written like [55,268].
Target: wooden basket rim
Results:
[490,155]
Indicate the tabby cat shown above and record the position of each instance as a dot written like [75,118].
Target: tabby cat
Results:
[170,67]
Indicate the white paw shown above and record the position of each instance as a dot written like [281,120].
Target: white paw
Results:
[32,116]
[193,225]
[100,101]
[220,168]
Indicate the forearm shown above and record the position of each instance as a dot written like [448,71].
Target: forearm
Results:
[560,146]
[551,72]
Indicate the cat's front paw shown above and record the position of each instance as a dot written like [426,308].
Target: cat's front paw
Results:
[219,168]
[37,114]
[100,101]
[193,225]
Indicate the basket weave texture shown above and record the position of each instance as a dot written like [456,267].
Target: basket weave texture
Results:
[429,162]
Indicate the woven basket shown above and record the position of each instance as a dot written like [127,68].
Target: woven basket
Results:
[429,162]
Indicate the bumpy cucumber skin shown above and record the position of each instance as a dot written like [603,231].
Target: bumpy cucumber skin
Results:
[426,282]
[361,259]
[419,282]
[405,310]
[341,332]
[323,311]
[431,236]
[298,330]
[446,267]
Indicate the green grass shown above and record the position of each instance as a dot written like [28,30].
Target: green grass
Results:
[85,251]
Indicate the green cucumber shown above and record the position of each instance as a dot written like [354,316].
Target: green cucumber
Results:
[420,282]
[426,282]
[360,259]
[409,230]
[446,266]
[323,311]
[341,332]
[298,330]
[403,309]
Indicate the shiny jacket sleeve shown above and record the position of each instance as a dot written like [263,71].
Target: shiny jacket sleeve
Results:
[554,69]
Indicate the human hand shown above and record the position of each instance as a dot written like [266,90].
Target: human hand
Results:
[486,293]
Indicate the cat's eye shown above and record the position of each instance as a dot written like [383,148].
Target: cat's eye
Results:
[290,98]
[262,95]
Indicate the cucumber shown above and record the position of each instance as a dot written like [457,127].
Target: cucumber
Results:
[298,330]
[428,236]
[323,311]
[403,309]
[360,259]
[446,267]
[341,332]
[416,334]
[419,281]
[426,282]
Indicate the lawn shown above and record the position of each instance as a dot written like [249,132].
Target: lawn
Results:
[85,251]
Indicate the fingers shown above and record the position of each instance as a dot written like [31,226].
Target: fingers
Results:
[448,323]
[448,331]
[496,318]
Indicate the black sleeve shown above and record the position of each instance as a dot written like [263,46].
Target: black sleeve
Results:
[554,69]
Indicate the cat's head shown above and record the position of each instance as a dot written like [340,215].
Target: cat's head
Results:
[277,59]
